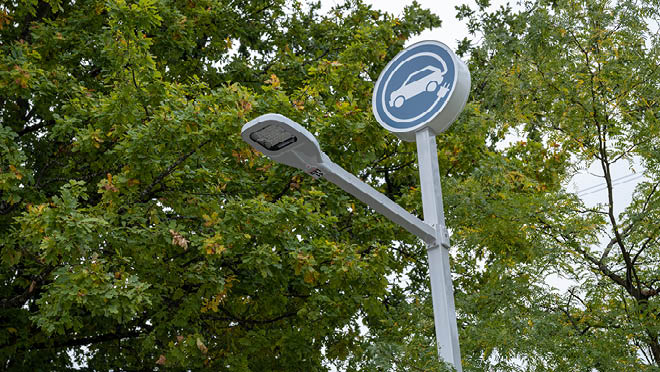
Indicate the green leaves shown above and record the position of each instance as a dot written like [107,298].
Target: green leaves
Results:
[557,77]
[90,289]
[135,220]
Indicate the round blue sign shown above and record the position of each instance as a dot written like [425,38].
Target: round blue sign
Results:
[416,86]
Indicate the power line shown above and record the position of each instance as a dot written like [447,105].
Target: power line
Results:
[601,185]
[613,184]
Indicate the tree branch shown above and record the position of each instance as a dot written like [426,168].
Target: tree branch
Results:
[36,127]
[90,340]
[146,193]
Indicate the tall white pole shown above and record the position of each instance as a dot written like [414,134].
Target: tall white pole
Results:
[442,292]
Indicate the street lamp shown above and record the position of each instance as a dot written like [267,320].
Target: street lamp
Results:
[419,94]
[287,142]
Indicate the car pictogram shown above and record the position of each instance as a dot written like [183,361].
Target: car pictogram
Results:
[425,80]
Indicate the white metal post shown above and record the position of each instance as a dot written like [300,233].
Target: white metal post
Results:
[442,292]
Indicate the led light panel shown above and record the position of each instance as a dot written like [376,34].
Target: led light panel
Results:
[273,137]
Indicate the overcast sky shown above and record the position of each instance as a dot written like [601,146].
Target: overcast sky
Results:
[451,29]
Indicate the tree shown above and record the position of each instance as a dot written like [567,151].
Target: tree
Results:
[557,86]
[577,82]
[138,231]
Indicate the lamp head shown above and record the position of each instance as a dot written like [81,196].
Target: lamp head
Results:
[284,141]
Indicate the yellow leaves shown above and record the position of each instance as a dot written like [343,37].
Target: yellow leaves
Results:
[515,176]
[211,220]
[108,185]
[302,259]
[212,305]
[219,298]
[347,108]
[96,137]
[646,102]
[228,42]
[294,184]
[22,77]
[299,104]
[304,266]
[179,240]
[515,69]
[213,245]
[487,351]
[465,231]
[4,18]
[526,226]
[16,172]
[246,105]
[36,210]
[342,105]
[99,8]
[274,81]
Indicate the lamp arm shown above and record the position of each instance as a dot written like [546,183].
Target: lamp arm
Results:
[376,200]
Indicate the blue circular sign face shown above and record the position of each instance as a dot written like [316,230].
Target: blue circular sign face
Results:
[415,86]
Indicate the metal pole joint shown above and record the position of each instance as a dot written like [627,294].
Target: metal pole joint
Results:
[443,236]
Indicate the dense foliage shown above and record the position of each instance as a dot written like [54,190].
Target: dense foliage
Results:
[138,231]
[579,82]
